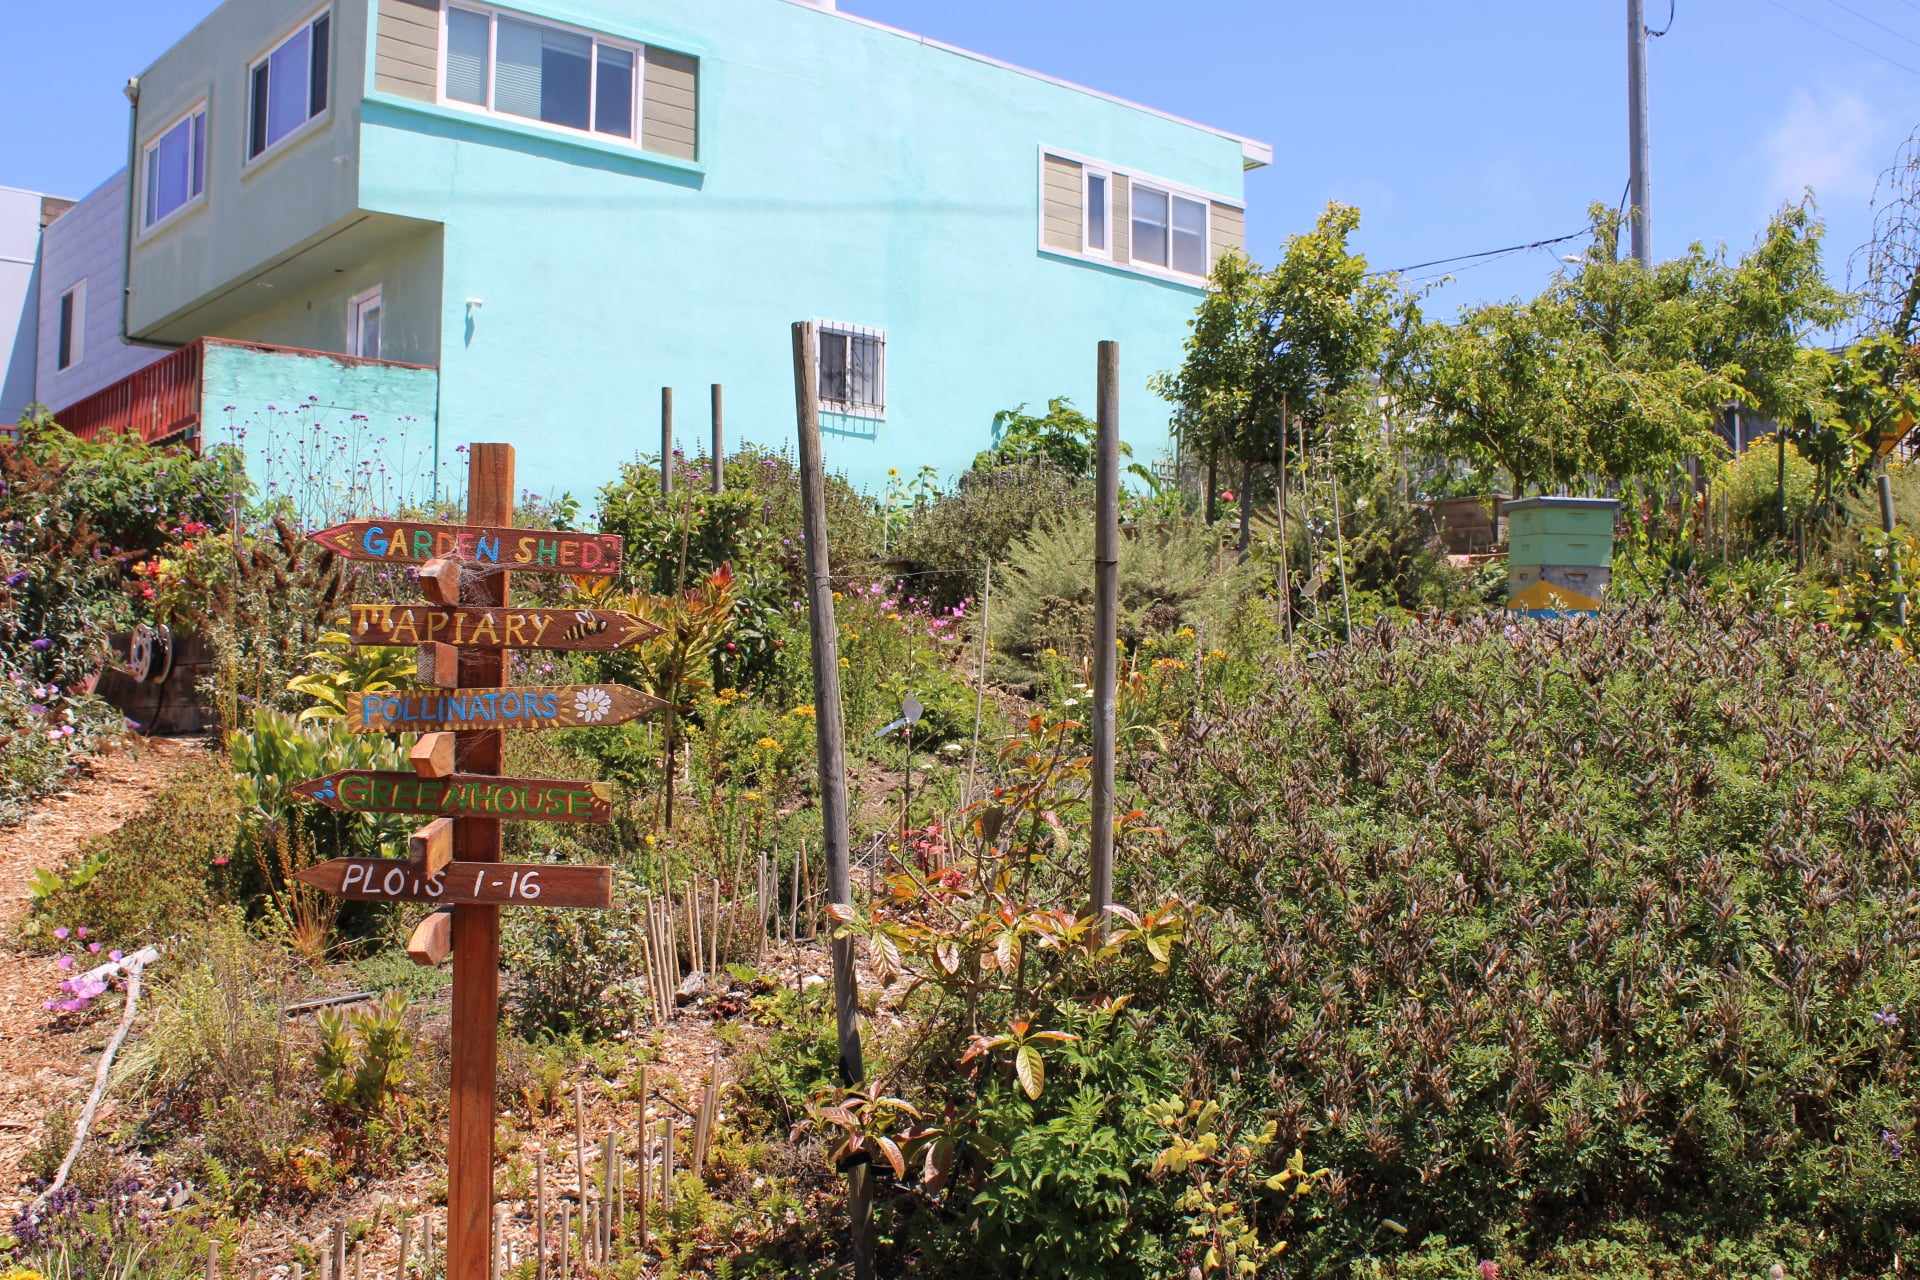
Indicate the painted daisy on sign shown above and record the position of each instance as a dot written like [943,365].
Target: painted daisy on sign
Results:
[592,704]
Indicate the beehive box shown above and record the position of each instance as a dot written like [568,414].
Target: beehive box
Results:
[1559,554]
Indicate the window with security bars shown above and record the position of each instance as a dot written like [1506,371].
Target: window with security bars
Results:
[853,371]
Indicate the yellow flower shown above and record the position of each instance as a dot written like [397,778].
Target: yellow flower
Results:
[768,744]
[1185,633]
[1169,664]
[845,663]
[802,712]
[752,797]
[652,841]
[1048,653]
[1217,655]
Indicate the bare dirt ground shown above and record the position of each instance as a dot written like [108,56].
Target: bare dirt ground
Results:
[43,1066]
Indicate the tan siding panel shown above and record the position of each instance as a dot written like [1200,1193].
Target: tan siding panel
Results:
[670,121]
[1122,218]
[1229,229]
[1062,205]
[406,59]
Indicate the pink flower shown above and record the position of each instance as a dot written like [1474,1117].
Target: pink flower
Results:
[93,948]
[65,962]
[114,955]
[1489,1270]
[80,932]
[62,932]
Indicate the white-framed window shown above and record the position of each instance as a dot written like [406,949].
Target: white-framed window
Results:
[287,85]
[363,324]
[506,64]
[70,346]
[853,370]
[174,167]
[1169,230]
[1099,205]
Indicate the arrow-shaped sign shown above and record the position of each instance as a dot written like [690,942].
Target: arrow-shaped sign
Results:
[544,706]
[463,795]
[485,546]
[501,884]
[571,630]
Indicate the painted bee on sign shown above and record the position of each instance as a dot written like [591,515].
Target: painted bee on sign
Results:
[584,624]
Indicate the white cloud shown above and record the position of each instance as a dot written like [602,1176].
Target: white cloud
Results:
[1827,141]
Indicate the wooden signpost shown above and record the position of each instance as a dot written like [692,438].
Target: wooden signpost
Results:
[485,546]
[461,795]
[547,706]
[568,630]
[463,631]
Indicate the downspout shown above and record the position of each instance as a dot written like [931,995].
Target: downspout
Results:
[132,90]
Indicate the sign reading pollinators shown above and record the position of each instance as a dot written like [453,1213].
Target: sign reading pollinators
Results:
[557,706]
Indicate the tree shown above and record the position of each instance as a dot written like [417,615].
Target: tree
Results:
[1292,342]
[1890,261]
[1615,373]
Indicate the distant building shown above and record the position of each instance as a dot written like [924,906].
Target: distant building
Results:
[558,209]
[23,217]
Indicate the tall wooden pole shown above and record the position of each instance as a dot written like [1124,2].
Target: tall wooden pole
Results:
[666,442]
[831,742]
[719,442]
[1286,548]
[1106,622]
[476,930]
[1887,522]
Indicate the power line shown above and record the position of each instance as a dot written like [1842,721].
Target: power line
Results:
[1817,25]
[1662,31]
[1487,253]
[1892,31]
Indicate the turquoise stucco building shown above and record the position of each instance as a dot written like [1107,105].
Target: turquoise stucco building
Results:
[561,206]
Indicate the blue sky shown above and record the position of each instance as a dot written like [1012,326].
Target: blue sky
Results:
[1456,127]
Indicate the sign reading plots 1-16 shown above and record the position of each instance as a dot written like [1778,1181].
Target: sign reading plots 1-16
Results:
[502,884]
[484,546]
[567,630]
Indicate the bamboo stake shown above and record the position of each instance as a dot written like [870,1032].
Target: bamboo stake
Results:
[499,1242]
[703,1121]
[406,1245]
[793,902]
[640,1156]
[579,1141]
[213,1260]
[609,1183]
[540,1216]
[694,950]
[340,1250]
[980,683]
[713,941]
[566,1228]
[666,1168]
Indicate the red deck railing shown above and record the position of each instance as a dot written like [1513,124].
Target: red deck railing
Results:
[159,402]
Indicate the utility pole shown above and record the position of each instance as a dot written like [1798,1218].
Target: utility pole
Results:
[1106,622]
[1639,202]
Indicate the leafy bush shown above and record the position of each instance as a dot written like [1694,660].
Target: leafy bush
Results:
[1171,575]
[948,545]
[148,879]
[1748,487]
[1523,929]
[576,972]
[124,1231]
[283,596]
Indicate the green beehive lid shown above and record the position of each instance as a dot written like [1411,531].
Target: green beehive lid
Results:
[1560,531]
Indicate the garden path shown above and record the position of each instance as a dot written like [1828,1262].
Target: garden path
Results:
[42,1064]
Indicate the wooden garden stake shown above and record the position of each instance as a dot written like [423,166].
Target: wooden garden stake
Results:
[831,744]
[1106,618]
[340,1251]
[979,687]
[666,442]
[609,1188]
[1887,521]
[566,1227]
[719,461]
[666,1167]
[540,1215]
[406,1246]
[793,900]
[213,1260]
[640,1157]
[579,1141]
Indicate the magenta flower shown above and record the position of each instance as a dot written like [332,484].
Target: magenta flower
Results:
[80,932]
[65,962]
[114,955]
[62,933]
[93,948]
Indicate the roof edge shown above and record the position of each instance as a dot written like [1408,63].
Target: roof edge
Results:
[1254,154]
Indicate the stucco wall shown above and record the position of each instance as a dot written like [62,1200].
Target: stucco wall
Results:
[846,173]
[19,277]
[337,436]
[258,212]
[86,243]
[408,274]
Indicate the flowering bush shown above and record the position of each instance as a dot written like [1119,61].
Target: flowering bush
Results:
[81,953]
[45,732]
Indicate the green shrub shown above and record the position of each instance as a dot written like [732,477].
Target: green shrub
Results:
[1748,487]
[948,544]
[1171,575]
[1522,929]
[45,734]
[157,874]
[576,972]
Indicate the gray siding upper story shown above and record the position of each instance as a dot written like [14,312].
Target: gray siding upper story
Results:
[257,211]
[19,280]
[86,243]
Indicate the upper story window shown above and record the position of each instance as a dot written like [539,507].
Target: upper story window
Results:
[540,71]
[1169,230]
[73,327]
[1092,211]
[288,86]
[853,371]
[175,165]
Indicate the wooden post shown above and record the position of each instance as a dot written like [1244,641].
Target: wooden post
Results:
[1106,623]
[1340,549]
[540,1217]
[979,687]
[828,734]
[579,1142]
[339,1247]
[406,1247]
[476,929]
[666,442]
[1887,523]
[1286,549]
[640,1156]
[719,460]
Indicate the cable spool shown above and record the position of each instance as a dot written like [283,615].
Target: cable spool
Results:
[150,654]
